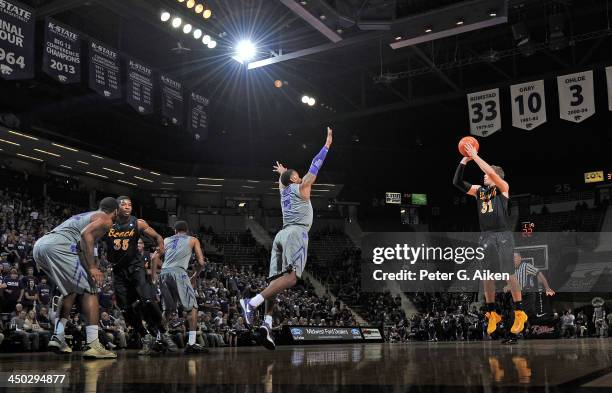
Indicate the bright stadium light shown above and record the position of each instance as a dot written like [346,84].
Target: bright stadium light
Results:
[199,8]
[206,39]
[187,28]
[190,3]
[207,13]
[197,33]
[212,44]
[305,99]
[312,101]
[165,16]
[176,22]
[244,51]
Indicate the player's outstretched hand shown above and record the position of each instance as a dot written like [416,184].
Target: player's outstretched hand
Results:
[279,168]
[471,152]
[328,142]
[550,292]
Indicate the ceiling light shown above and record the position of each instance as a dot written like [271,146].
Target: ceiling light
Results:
[197,33]
[165,16]
[30,157]
[460,22]
[245,50]
[9,142]
[206,39]
[97,174]
[199,8]
[176,22]
[127,182]
[305,99]
[114,171]
[187,28]
[129,166]
[143,179]
[83,162]
[47,152]
[190,3]
[212,44]
[65,147]
[23,135]
[207,13]
[428,29]
[312,101]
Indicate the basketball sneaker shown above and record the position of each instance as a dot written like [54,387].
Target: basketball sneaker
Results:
[58,344]
[494,318]
[265,332]
[195,348]
[95,350]
[519,321]
[168,343]
[248,312]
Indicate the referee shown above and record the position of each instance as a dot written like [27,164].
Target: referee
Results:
[526,275]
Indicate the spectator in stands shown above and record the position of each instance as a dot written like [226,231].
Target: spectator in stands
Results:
[29,340]
[44,292]
[568,326]
[31,325]
[74,328]
[13,291]
[30,295]
[581,324]
[115,335]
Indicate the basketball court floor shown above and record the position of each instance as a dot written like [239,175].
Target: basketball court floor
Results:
[582,365]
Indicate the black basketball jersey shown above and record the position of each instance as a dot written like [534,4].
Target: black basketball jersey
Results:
[492,208]
[122,242]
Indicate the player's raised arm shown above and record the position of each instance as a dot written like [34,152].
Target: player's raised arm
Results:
[143,227]
[462,184]
[500,183]
[89,235]
[317,162]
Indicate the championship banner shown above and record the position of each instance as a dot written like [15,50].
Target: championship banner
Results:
[484,112]
[576,98]
[139,87]
[172,100]
[16,40]
[62,53]
[104,69]
[609,78]
[528,105]
[198,114]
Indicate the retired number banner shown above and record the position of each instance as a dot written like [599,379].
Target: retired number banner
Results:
[16,40]
[576,98]
[528,105]
[484,112]
[62,52]
[171,100]
[198,114]
[609,78]
[104,70]
[139,87]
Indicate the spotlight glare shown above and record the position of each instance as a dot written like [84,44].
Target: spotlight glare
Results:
[312,101]
[428,29]
[207,13]
[187,28]
[492,14]
[245,50]
[212,44]
[190,3]
[206,39]
[199,8]
[305,99]
[197,33]
[176,22]
[460,22]
[165,16]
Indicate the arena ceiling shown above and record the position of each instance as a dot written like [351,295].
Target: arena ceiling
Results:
[382,101]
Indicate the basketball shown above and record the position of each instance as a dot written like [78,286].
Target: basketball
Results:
[467,140]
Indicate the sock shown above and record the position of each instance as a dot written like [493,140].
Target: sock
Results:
[518,306]
[192,337]
[92,333]
[491,307]
[60,324]
[256,301]
[268,320]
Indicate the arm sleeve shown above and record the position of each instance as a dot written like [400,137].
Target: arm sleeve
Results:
[458,179]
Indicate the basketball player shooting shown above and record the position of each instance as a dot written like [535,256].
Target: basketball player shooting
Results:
[290,245]
[496,238]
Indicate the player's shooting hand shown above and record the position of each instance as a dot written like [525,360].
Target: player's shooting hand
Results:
[279,168]
[97,276]
[550,292]
[471,152]
[328,142]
